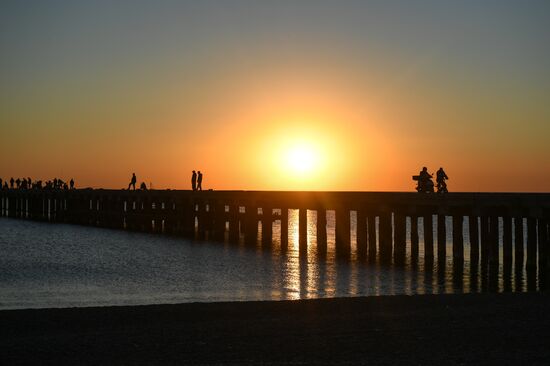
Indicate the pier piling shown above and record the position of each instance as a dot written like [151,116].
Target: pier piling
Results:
[381,222]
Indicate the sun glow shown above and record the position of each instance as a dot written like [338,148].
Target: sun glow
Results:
[302,159]
[297,155]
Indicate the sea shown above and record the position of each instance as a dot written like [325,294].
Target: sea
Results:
[44,265]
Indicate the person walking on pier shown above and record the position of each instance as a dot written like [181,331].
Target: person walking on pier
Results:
[199,182]
[71,183]
[194,181]
[133,182]
[441,176]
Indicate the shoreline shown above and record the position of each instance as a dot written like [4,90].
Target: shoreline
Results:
[503,328]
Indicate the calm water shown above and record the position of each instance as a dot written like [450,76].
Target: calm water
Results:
[57,265]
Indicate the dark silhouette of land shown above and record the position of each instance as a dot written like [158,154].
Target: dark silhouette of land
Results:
[500,329]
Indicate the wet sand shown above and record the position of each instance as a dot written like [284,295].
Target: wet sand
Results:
[504,329]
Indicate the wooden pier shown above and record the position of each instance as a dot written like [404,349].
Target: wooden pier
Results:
[492,218]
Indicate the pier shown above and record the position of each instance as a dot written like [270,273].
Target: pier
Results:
[500,225]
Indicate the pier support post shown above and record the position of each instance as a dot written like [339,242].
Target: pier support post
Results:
[428,237]
[507,240]
[531,243]
[11,205]
[441,237]
[544,244]
[485,238]
[129,214]
[267,225]
[493,240]
[371,223]
[251,225]
[400,238]
[458,238]
[118,214]
[201,216]
[385,239]
[473,229]
[210,218]
[321,231]
[361,234]
[188,213]
[233,223]
[414,238]
[518,243]
[284,228]
[219,221]
[302,230]
[343,236]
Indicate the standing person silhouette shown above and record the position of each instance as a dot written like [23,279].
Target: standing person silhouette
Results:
[199,181]
[194,181]
[441,176]
[133,182]
[72,183]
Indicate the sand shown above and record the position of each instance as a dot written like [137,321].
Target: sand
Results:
[503,329]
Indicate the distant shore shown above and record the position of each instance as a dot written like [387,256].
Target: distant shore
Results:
[502,329]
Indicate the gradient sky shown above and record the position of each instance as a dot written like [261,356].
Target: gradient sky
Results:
[96,90]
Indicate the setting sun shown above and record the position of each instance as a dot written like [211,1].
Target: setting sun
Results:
[302,152]
[302,159]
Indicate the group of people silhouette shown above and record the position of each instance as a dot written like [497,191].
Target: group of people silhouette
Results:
[425,183]
[196,181]
[28,183]
[133,181]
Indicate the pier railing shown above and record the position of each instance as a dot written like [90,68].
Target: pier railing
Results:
[492,218]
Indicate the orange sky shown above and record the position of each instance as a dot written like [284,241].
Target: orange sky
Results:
[369,104]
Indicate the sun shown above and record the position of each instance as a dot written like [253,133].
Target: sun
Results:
[298,156]
[302,158]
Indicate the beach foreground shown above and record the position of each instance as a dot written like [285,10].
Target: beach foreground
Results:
[500,329]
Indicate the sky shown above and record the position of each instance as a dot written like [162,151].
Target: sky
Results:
[277,95]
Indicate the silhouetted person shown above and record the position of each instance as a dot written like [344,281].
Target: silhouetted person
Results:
[440,177]
[199,181]
[133,182]
[71,183]
[0,183]
[29,182]
[142,186]
[5,185]
[11,182]
[425,183]
[194,181]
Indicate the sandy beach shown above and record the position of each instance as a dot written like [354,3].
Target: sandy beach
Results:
[431,329]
